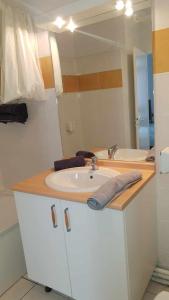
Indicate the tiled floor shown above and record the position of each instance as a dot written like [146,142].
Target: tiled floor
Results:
[154,289]
[26,290]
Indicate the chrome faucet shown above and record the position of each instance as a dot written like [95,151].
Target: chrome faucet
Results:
[112,151]
[94,163]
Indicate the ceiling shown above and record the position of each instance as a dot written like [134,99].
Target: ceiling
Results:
[38,7]
[84,12]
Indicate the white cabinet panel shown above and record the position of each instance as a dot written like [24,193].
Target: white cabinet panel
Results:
[140,221]
[96,253]
[44,245]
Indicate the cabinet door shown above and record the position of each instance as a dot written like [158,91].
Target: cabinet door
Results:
[96,252]
[43,239]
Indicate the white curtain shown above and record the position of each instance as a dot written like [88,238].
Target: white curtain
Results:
[56,64]
[20,71]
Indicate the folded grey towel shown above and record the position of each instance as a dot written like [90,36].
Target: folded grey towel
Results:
[151,155]
[112,189]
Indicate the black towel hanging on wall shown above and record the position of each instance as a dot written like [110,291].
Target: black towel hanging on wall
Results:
[10,113]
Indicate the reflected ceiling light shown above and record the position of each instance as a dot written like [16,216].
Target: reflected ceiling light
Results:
[129,8]
[129,12]
[128,4]
[119,5]
[71,25]
[59,22]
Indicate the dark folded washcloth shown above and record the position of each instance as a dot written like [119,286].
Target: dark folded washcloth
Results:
[151,155]
[112,189]
[10,113]
[69,163]
[85,154]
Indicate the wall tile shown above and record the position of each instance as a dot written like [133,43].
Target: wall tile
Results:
[163,259]
[70,83]
[160,20]
[47,72]
[161,50]
[163,235]
[161,97]
[43,43]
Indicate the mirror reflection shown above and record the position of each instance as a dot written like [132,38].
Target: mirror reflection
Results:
[108,104]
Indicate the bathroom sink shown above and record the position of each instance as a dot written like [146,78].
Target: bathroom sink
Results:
[79,180]
[125,154]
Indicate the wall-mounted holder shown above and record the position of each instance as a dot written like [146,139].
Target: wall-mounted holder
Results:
[164,161]
[70,127]
[10,113]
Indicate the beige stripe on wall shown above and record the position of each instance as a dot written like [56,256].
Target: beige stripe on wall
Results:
[78,83]
[47,72]
[161,50]
[70,83]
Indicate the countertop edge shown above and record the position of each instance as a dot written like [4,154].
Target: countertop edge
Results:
[36,186]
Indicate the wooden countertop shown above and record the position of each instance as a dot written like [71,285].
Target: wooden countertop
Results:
[36,185]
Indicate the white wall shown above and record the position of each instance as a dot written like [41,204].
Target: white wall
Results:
[28,149]
[70,113]
[102,111]
[98,114]
[107,116]
[99,62]
[161,90]
[102,118]
[138,32]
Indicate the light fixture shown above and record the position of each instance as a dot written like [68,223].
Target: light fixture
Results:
[119,5]
[71,25]
[129,8]
[59,22]
[128,4]
[129,11]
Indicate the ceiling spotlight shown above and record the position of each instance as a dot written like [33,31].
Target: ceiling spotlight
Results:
[129,11]
[119,4]
[71,25]
[59,22]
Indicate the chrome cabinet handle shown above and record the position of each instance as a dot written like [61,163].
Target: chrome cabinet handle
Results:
[54,216]
[67,220]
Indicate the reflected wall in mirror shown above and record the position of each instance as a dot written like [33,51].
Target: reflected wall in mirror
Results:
[108,85]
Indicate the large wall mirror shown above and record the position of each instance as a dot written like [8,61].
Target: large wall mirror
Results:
[108,84]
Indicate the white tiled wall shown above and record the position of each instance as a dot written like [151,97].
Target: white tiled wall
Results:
[99,62]
[102,115]
[98,115]
[161,90]
[31,148]
[161,19]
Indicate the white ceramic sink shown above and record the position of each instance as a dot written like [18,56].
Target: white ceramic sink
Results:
[125,154]
[79,180]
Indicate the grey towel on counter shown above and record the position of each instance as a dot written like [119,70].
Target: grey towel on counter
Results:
[112,189]
[151,155]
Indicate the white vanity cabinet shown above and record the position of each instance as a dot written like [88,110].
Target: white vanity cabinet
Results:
[43,241]
[96,253]
[90,255]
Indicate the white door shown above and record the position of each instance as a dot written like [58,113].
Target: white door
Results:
[95,245]
[43,240]
[141,99]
